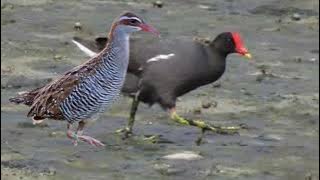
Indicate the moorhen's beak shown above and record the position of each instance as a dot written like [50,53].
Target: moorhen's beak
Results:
[244,52]
[247,55]
[148,28]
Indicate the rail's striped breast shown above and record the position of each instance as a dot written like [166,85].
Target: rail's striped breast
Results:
[96,92]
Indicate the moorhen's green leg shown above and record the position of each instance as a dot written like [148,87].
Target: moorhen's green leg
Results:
[202,125]
[128,129]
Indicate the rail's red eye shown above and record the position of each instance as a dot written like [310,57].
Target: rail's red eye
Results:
[133,21]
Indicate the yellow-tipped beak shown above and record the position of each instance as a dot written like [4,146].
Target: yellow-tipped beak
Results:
[247,55]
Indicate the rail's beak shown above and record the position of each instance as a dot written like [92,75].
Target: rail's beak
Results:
[148,28]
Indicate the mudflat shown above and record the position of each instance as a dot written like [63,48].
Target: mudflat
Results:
[276,96]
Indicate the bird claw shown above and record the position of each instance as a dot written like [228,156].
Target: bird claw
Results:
[152,139]
[227,130]
[92,141]
[125,131]
[75,142]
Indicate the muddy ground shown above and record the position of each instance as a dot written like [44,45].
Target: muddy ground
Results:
[280,107]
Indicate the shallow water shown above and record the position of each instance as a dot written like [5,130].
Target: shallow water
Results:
[279,108]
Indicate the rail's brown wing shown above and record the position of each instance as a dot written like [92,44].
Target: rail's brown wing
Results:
[48,99]
[46,103]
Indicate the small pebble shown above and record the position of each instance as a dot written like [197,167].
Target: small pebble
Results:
[201,6]
[206,104]
[57,134]
[216,85]
[185,155]
[313,60]
[52,171]
[296,17]
[197,111]
[315,51]
[271,29]
[158,4]
[260,77]
[57,57]
[7,6]
[77,26]
[297,59]
[308,176]
[270,137]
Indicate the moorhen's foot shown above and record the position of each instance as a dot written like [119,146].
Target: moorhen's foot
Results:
[230,130]
[126,132]
[92,141]
[151,138]
[227,130]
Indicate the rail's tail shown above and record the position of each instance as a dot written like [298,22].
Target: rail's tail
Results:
[25,98]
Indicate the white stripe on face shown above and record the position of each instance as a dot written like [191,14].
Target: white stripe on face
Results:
[126,17]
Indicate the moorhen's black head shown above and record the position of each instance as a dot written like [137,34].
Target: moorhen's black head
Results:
[230,42]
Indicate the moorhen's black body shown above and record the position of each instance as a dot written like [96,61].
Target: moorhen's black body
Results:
[167,69]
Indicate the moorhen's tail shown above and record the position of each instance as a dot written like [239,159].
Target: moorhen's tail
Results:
[90,48]
[25,98]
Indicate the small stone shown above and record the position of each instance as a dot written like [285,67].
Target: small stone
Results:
[214,104]
[197,111]
[57,134]
[314,51]
[297,59]
[77,26]
[185,155]
[57,57]
[270,137]
[216,85]
[209,8]
[260,77]
[313,60]
[174,171]
[167,169]
[7,6]
[201,6]
[273,49]
[204,40]
[246,92]
[206,104]
[51,171]
[296,17]
[271,29]
[158,4]
[308,176]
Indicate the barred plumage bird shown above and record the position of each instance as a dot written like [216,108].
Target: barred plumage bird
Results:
[89,88]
